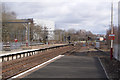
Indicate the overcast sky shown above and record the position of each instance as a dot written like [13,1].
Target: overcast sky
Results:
[93,15]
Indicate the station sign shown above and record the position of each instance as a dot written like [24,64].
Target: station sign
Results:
[112,36]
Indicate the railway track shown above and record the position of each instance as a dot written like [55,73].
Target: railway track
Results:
[14,67]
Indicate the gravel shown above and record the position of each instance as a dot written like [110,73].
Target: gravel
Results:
[112,67]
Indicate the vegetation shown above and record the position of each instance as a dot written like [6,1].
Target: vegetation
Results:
[75,35]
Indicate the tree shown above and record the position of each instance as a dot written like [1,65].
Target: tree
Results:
[79,35]
[6,28]
[40,33]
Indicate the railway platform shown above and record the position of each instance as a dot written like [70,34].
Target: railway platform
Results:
[70,67]
[30,48]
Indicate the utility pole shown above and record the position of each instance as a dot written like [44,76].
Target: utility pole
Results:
[111,50]
[26,36]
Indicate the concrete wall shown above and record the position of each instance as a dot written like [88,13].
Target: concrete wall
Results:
[119,52]
[0,26]
[115,54]
[119,30]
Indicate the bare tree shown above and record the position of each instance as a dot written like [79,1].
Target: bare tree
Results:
[79,35]
[6,28]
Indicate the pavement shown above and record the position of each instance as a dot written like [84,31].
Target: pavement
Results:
[71,67]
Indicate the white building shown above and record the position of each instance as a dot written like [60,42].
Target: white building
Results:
[50,25]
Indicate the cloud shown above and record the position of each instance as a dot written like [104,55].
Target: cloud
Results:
[78,14]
